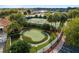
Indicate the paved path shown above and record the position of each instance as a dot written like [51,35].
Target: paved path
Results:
[59,46]
[1,47]
[3,37]
[52,45]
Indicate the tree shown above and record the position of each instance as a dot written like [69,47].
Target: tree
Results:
[56,17]
[46,26]
[36,16]
[14,30]
[73,13]
[25,13]
[63,18]
[28,11]
[6,12]
[49,19]
[20,47]
[19,18]
[40,16]
[44,16]
[60,17]
[12,17]
[53,18]
[71,30]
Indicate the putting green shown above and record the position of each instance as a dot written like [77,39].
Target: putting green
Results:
[34,34]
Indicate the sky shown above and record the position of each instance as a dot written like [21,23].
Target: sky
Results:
[37,6]
[39,2]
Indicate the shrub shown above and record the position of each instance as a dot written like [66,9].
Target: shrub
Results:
[20,47]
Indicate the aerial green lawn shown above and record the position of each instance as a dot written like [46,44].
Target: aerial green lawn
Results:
[34,34]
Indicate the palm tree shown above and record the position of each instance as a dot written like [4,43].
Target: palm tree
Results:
[12,28]
[63,18]
[19,18]
[12,17]
[54,18]
[50,19]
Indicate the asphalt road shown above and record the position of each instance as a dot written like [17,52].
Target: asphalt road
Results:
[68,49]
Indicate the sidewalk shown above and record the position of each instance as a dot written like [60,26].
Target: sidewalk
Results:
[59,45]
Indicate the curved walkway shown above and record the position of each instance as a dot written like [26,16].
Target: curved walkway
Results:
[59,45]
[42,42]
[51,45]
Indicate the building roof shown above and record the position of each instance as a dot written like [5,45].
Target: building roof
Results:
[4,22]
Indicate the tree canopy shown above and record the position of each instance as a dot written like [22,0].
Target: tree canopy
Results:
[20,47]
[71,31]
[73,13]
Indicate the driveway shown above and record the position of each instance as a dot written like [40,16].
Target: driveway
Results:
[3,37]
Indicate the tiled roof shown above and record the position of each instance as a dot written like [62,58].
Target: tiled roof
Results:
[4,22]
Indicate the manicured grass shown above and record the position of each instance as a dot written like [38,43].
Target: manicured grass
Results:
[33,49]
[37,20]
[28,39]
[34,34]
[7,46]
